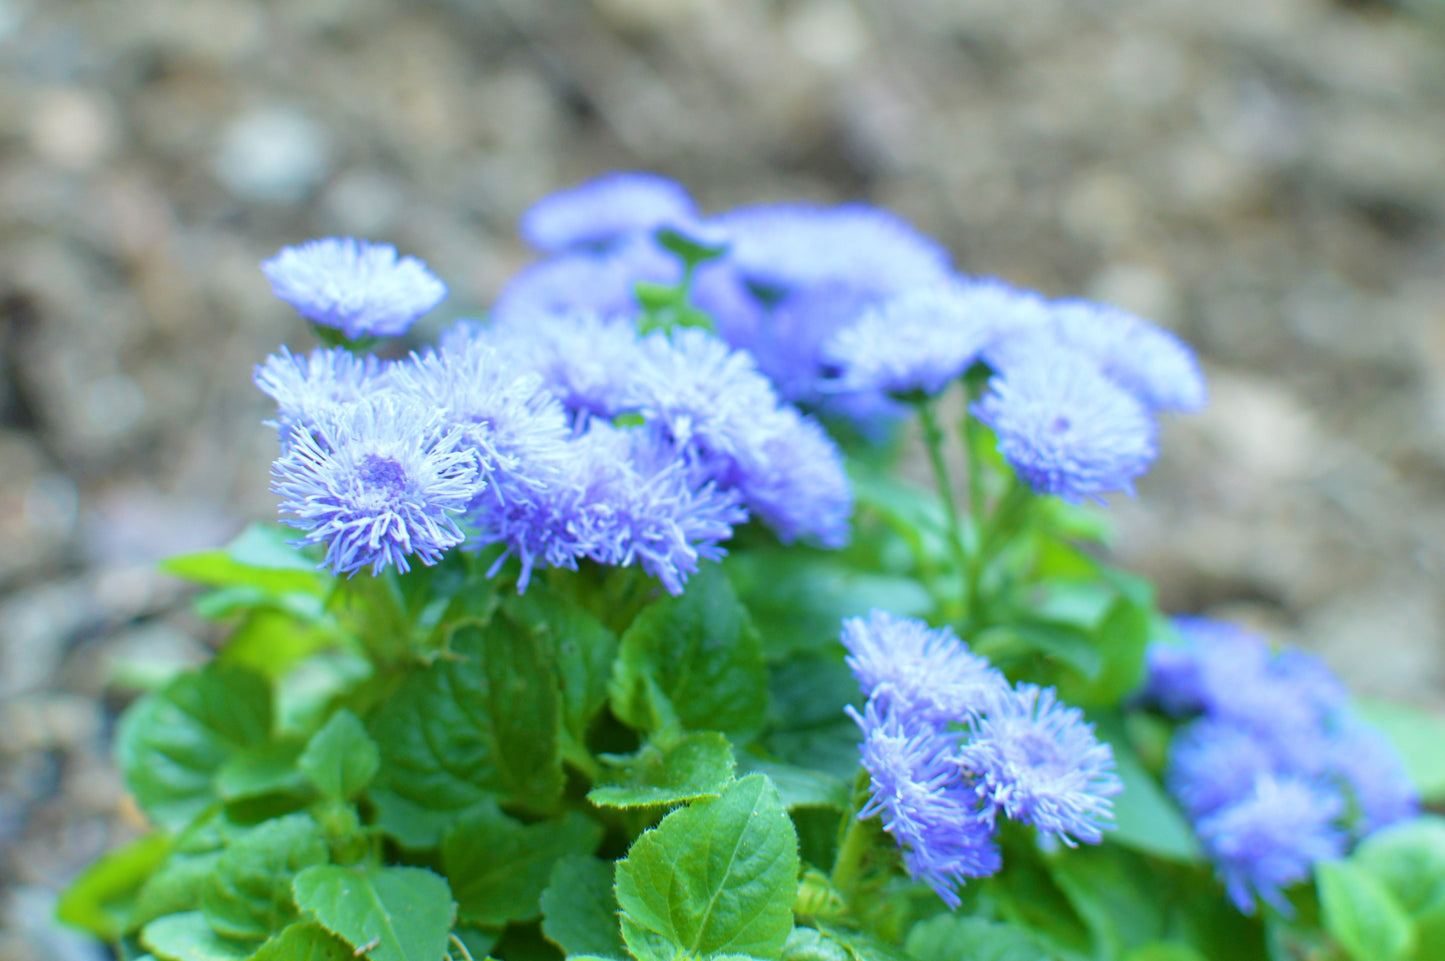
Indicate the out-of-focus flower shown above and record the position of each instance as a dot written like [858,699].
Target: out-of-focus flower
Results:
[1066,429]
[1272,838]
[1150,362]
[600,212]
[360,288]
[306,388]
[927,672]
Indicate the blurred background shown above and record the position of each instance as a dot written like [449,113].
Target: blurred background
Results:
[1266,177]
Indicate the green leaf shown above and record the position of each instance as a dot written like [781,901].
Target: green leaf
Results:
[1121,640]
[1145,818]
[498,867]
[800,787]
[1361,914]
[700,765]
[101,899]
[177,885]
[584,647]
[718,876]
[307,694]
[271,642]
[809,944]
[388,914]
[1164,951]
[259,557]
[1417,734]
[1030,898]
[696,658]
[1409,858]
[481,725]
[861,945]
[187,937]
[809,727]
[248,896]
[1067,644]
[1115,893]
[579,909]
[948,937]
[268,768]
[341,759]
[172,743]
[798,597]
[304,942]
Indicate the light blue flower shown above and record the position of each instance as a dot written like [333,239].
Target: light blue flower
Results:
[1150,362]
[922,671]
[1272,839]
[604,210]
[360,288]
[306,388]
[377,482]
[946,835]
[1066,429]
[1039,762]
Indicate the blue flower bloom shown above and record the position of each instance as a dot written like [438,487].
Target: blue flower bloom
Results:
[1039,762]
[1272,839]
[1213,764]
[712,401]
[946,835]
[657,509]
[1373,773]
[1150,362]
[1231,674]
[792,477]
[584,280]
[916,342]
[306,388]
[377,482]
[1067,429]
[783,247]
[603,210]
[357,287]
[925,672]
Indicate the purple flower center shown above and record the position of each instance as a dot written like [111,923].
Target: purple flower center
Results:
[383,474]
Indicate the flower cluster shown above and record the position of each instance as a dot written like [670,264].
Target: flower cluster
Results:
[849,309]
[558,435]
[1273,769]
[949,746]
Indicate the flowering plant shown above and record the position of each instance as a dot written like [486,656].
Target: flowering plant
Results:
[548,664]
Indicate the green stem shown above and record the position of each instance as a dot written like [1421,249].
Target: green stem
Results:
[933,442]
[384,627]
[848,866]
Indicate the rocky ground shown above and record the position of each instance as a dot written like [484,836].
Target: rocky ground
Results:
[1267,177]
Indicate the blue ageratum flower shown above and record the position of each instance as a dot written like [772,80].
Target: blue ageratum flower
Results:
[1214,763]
[360,288]
[781,248]
[1039,762]
[307,388]
[586,360]
[1066,429]
[711,401]
[602,282]
[602,211]
[377,482]
[1271,839]
[928,672]
[1364,763]
[651,506]
[1150,362]
[945,834]
[915,343]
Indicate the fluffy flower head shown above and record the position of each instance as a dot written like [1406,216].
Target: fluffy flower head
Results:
[1040,763]
[1148,361]
[603,210]
[916,342]
[946,836]
[910,667]
[1271,839]
[360,288]
[1066,428]
[308,388]
[377,482]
